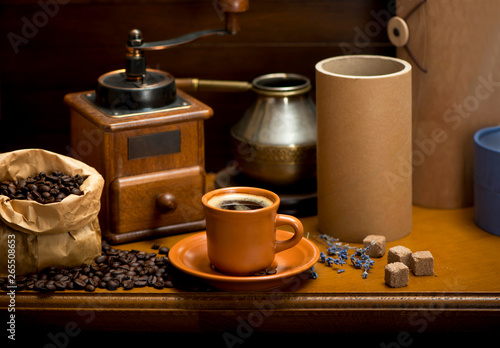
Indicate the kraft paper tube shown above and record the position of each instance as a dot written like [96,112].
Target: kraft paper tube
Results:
[364,147]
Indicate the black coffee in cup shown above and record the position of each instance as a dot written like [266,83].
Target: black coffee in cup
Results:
[239,201]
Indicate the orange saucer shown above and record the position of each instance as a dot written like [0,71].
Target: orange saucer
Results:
[190,256]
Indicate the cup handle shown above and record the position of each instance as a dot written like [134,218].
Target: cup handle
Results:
[298,228]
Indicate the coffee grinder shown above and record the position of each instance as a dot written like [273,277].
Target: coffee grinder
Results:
[146,138]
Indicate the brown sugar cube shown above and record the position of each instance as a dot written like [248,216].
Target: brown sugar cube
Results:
[397,274]
[376,244]
[422,263]
[399,254]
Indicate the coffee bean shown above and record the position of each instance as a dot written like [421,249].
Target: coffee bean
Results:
[271,270]
[140,283]
[104,268]
[112,285]
[121,277]
[11,189]
[159,284]
[60,196]
[84,278]
[43,188]
[60,285]
[21,184]
[40,285]
[77,192]
[128,284]
[141,255]
[152,280]
[113,269]
[101,259]
[116,264]
[163,250]
[52,178]
[80,283]
[64,278]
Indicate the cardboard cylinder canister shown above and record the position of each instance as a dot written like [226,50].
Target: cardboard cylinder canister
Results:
[364,147]
[487,179]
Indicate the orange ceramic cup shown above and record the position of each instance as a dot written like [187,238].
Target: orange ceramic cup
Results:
[244,242]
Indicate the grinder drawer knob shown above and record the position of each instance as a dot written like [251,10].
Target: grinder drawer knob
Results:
[166,203]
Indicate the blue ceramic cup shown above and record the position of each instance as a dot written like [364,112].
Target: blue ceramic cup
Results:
[487,179]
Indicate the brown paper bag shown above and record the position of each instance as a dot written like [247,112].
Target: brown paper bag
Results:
[61,234]
[457,42]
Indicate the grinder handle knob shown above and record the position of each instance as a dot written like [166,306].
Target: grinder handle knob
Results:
[231,9]
[166,203]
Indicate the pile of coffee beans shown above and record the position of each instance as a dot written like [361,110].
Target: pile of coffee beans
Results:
[114,269]
[43,188]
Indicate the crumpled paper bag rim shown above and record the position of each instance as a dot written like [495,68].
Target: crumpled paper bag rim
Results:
[72,213]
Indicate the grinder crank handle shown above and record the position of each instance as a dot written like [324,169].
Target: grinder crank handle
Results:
[230,9]
[135,61]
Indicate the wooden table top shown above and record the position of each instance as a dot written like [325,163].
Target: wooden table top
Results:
[463,294]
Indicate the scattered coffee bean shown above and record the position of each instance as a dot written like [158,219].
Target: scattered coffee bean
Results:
[159,284]
[101,259]
[60,285]
[267,271]
[163,251]
[128,284]
[80,283]
[112,270]
[140,283]
[112,285]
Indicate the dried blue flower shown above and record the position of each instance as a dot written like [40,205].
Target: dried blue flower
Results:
[329,261]
[312,273]
[341,270]
[339,254]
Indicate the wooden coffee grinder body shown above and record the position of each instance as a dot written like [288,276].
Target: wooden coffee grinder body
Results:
[152,162]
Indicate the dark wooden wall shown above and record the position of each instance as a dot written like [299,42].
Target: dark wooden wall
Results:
[75,42]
